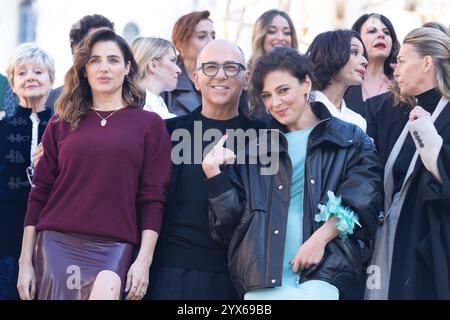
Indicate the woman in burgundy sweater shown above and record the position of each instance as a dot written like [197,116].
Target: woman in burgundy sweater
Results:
[100,187]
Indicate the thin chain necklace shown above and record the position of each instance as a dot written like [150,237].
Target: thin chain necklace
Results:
[378,91]
[104,121]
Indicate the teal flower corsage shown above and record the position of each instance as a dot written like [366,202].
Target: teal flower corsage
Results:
[334,207]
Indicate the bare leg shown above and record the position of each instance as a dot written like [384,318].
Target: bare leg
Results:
[106,286]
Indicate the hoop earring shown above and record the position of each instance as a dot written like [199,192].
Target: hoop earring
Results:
[307,96]
[267,110]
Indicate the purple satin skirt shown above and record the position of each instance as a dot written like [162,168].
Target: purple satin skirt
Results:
[67,264]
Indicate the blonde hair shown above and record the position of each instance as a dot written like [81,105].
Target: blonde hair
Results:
[148,48]
[30,52]
[437,25]
[436,44]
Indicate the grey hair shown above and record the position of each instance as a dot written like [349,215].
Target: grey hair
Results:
[436,44]
[148,48]
[27,52]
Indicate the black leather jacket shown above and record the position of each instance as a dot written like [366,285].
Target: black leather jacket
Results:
[248,211]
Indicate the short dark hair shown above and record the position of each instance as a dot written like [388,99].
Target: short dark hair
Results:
[81,28]
[329,52]
[395,43]
[283,59]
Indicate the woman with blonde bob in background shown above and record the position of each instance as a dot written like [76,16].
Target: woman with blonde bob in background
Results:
[158,71]
[412,248]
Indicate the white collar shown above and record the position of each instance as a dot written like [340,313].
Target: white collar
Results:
[321,97]
[156,104]
[345,113]
[154,100]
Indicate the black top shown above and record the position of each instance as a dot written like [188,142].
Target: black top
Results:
[354,100]
[15,147]
[52,97]
[189,244]
[421,255]
[385,122]
[428,101]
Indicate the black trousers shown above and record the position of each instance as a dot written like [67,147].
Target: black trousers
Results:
[12,215]
[184,284]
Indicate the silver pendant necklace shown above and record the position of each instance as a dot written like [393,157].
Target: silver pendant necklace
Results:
[104,121]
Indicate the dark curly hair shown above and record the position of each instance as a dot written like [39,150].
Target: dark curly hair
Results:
[395,43]
[81,28]
[282,59]
[329,52]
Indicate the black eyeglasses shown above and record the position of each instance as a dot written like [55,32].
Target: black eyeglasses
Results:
[231,69]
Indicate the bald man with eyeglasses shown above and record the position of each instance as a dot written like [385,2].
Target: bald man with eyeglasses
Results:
[188,263]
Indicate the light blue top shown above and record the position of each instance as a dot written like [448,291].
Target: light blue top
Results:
[291,289]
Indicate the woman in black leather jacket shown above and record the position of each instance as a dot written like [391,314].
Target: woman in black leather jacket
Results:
[302,231]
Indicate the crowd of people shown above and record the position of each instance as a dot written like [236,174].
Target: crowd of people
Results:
[352,204]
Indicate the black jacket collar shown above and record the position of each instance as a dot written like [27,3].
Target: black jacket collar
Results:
[329,129]
[26,112]
[318,108]
[184,82]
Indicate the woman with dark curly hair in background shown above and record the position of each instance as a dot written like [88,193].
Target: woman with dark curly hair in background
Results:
[301,230]
[380,40]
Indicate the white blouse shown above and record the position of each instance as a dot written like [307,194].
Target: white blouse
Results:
[344,114]
[156,104]
[34,135]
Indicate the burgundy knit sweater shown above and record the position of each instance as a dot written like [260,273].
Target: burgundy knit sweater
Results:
[109,181]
